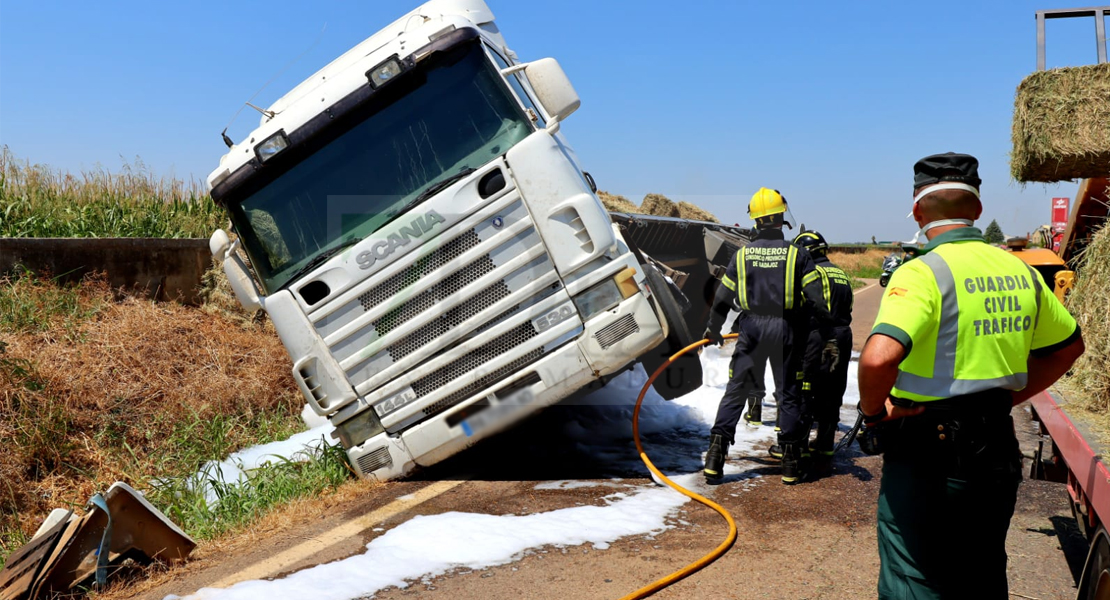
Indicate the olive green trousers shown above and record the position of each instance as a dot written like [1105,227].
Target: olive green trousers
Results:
[941,537]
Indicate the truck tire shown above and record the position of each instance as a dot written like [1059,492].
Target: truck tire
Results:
[684,375]
[1095,582]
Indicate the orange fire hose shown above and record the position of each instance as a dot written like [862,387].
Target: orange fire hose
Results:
[725,545]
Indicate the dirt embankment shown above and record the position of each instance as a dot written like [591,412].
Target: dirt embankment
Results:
[95,388]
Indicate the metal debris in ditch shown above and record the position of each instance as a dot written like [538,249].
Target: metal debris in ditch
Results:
[71,551]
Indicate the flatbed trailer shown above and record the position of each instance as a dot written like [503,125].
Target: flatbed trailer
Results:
[1075,457]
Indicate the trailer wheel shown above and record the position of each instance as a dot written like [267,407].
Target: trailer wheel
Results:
[683,375]
[1095,583]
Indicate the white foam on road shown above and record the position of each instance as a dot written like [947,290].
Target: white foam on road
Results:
[674,435]
[427,546]
[235,469]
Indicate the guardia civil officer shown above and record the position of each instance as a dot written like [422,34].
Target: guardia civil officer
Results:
[772,282]
[826,358]
[964,332]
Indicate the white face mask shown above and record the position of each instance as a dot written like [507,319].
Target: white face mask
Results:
[941,223]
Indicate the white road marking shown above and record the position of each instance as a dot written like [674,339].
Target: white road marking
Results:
[860,291]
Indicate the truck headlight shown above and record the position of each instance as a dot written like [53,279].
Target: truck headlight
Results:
[358,429]
[598,299]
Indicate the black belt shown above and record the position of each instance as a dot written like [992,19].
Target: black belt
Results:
[966,435]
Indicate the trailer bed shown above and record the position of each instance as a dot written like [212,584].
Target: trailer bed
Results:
[1077,457]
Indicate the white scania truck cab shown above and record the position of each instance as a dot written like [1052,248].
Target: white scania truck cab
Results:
[431,254]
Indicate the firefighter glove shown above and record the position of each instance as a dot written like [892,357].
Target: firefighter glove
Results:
[713,335]
[830,356]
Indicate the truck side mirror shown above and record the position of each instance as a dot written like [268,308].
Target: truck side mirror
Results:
[553,90]
[223,251]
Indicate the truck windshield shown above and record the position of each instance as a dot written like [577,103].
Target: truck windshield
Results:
[450,115]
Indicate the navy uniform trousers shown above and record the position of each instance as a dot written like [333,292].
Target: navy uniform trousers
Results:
[781,343]
[827,382]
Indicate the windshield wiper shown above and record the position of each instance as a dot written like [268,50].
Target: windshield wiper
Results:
[320,259]
[434,189]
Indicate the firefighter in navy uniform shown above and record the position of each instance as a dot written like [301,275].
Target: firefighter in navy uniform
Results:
[965,331]
[773,282]
[826,358]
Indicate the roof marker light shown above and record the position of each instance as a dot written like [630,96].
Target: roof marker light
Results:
[271,146]
[383,73]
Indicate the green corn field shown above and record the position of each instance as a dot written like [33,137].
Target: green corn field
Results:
[39,201]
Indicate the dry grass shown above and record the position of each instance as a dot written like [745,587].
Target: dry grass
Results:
[134,391]
[861,265]
[1061,126]
[1089,380]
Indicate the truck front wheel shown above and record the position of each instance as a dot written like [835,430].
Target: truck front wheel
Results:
[684,375]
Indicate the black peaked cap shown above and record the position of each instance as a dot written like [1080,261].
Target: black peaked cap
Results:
[950,166]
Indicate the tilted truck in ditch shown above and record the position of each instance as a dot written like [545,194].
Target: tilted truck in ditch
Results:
[433,257]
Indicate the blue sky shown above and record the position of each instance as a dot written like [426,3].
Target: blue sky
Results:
[831,103]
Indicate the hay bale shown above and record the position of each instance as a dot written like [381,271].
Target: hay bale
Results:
[615,203]
[696,213]
[1061,125]
[659,205]
[1089,303]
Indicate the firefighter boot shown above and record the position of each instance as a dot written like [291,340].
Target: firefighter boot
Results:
[823,445]
[715,458]
[775,451]
[754,416]
[793,463]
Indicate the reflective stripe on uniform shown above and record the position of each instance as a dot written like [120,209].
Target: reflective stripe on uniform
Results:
[729,283]
[742,278]
[948,333]
[791,259]
[826,287]
[946,387]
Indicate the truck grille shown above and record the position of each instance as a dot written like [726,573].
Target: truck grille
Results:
[482,383]
[472,360]
[431,297]
[421,267]
[381,335]
[451,319]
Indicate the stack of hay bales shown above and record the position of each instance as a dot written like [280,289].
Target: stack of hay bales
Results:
[696,213]
[1061,125]
[659,205]
[620,204]
[1089,303]
[1061,131]
[655,204]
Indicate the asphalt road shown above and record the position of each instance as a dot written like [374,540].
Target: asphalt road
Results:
[815,540]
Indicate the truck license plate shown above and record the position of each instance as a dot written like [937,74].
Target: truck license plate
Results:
[497,412]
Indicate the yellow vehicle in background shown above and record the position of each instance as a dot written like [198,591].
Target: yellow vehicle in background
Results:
[1049,264]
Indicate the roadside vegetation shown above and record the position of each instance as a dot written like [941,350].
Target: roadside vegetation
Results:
[38,201]
[97,387]
[860,265]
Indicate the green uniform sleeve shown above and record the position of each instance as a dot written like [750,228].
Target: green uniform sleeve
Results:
[909,304]
[1055,326]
